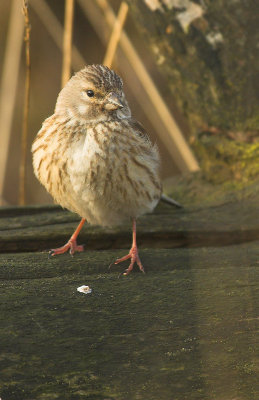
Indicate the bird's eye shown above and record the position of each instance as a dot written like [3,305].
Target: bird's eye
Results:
[90,93]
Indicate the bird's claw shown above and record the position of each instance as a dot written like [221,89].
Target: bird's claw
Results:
[71,245]
[133,255]
[50,254]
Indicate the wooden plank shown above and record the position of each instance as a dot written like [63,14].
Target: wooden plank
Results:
[48,227]
[35,265]
[187,328]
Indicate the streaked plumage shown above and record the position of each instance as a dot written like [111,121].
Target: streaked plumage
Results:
[92,156]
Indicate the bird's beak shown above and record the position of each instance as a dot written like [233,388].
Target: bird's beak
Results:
[113,102]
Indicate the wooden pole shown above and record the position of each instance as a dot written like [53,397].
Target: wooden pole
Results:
[67,41]
[116,33]
[22,180]
[9,84]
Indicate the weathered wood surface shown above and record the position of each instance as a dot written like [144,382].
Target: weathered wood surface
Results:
[187,329]
[41,228]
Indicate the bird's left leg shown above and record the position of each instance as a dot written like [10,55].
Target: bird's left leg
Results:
[71,245]
[133,253]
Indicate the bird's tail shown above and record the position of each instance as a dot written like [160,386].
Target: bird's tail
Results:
[168,200]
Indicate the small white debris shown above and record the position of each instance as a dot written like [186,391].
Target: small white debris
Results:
[214,38]
[84,289]
[192,12]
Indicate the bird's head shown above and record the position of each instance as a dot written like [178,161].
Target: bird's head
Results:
[93,94]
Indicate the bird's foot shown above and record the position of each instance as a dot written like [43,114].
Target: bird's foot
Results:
[133,255]
[71,245]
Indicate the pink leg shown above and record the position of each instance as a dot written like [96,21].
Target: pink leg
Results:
[133,253]
[71,244]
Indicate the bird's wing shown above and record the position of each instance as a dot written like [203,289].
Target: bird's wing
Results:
[139,129]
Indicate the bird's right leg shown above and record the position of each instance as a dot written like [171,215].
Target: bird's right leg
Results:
[133,253]
[71,245]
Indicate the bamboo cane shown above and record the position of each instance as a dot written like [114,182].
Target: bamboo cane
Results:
[67,41]
[22,172]
[8,86]
[116,33]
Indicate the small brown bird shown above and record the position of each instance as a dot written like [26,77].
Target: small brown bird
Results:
[95,159]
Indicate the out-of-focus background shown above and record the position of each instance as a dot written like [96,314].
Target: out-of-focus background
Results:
[46,65]
[200,58]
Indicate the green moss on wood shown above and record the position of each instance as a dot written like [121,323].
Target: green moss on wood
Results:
[212,72]
[224,160]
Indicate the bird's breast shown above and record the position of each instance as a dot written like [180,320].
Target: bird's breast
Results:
[115,167]
[94,161]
